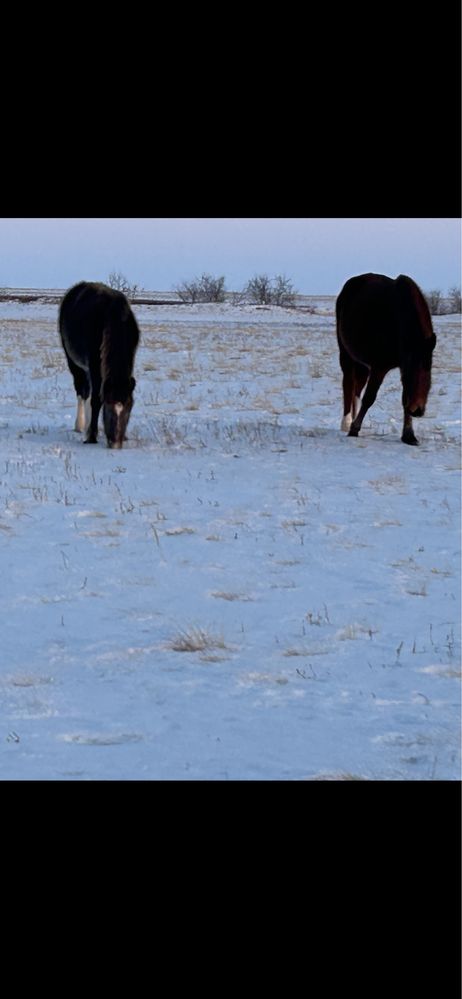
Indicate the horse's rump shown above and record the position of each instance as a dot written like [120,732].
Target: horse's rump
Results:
[92,312]
[381,319]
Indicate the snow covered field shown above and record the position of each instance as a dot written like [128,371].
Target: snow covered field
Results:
[242,592]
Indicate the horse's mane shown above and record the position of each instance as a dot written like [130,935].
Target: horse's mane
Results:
[415,308]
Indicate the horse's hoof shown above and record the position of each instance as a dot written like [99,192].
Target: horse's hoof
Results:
[352,432]
[410,439]
[90,440]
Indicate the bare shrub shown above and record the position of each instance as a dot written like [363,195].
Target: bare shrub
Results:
[435,301]
[119,282]
[258,290]
[187,291]
[212,289]
[207,288]
[283,291]
[263,290]
[238,297]
[454,300]
[440,305]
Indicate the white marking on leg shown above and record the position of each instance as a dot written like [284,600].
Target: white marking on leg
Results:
[80,418]
[346,422]
[356,406]
[118,408]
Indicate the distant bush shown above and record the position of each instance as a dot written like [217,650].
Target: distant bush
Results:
[263,290]
[455,300]
[283,291]
[207,288]
[434,301]
[119,282]
[237,297]
[258,290]
[441,305]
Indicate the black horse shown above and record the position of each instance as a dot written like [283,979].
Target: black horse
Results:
[383,324]
[100,335]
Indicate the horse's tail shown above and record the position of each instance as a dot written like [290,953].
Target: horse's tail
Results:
[414,307]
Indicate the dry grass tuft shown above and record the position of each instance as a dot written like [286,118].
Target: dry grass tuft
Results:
[173,532]
[221,595]
[196,640]
[337,776]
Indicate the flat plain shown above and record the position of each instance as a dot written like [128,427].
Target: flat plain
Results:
[243,592]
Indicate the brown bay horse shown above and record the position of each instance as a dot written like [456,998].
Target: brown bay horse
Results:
[100,335]
[383,323]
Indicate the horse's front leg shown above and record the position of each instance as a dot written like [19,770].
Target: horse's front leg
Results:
[92,432]
[408,436]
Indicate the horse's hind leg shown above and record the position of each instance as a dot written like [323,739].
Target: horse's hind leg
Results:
[82,389]
[92,428]
[83,417]
[349,389]
[361,374]
[375,380]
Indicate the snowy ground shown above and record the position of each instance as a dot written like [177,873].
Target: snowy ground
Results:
[243,592]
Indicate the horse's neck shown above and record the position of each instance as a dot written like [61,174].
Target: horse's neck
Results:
[115,354]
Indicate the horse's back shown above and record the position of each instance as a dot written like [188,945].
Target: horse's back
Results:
[81,315]
[85,302]
[364,292]
[369,293]
[86,310]
[377,316]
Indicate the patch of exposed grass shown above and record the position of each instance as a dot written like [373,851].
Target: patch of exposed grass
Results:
[388,483]
[221,595]
[337,776]
[354,631]
[196,640]
[304,650]
[176,531]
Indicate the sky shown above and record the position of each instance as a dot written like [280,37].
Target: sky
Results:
[317,254]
